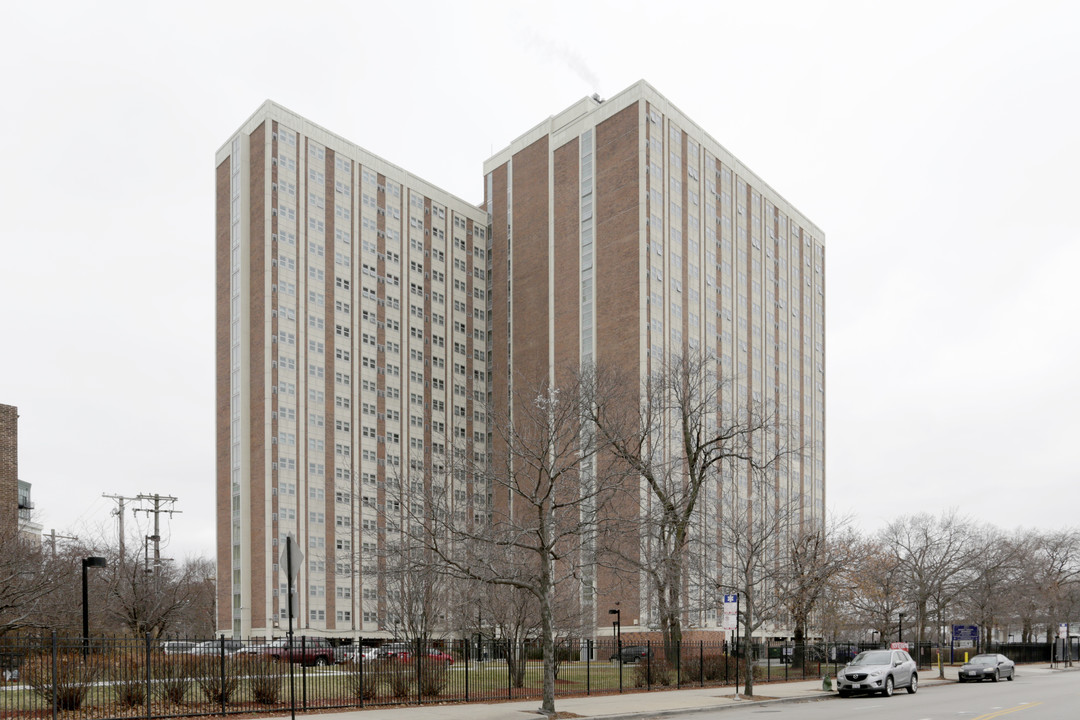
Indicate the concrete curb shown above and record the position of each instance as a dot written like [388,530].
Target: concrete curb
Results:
[733,704]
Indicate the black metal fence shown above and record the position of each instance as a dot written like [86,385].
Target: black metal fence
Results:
[128,678]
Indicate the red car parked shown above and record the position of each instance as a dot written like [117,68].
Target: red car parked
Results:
[432,655]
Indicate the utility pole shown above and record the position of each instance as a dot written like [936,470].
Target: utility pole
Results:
[157,501]
[52,536]
[119,513]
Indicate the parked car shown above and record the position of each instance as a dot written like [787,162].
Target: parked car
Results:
[178,647]
[214,647]
[632,654]
[839,653]
[307,651]
[987,667]
[431,654]
[440,656]
[878,671]
[259,649]
[361,653]
[393,649]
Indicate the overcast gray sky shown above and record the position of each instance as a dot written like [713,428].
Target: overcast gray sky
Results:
[934,143]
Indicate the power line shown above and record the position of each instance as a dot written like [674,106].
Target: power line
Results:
[119,513]
[52,537]
[156,508]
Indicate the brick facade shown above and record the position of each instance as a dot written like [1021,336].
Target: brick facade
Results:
[616,231]
[9,468]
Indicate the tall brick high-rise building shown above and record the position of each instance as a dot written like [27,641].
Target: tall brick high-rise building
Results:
[366,320]
[623,235]
[352,333]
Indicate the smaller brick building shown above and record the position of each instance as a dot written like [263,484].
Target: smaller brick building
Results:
[9,467]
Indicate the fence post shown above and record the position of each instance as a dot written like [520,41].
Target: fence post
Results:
[509,680]
[466,659]
[648,667]
[419,674]
[701,662]
[303,670]
[148,708]
[221,664]
[54,659]
[360,659]
[618,654]
[588,666]
[678,663]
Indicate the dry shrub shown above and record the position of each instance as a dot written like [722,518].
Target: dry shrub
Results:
[397,676]
[216,687]
[129,680]
[74,675]
[264,680]
[695,666]
[174,676]
[362,680]
[433,678]
[654,671]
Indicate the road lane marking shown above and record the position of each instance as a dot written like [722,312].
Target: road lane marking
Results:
[1024,706]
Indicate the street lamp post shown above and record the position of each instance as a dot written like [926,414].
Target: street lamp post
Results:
[89,562]
[873,637]
[616,628]
[900,632]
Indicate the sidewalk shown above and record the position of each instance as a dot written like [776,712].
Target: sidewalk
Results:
[631,705]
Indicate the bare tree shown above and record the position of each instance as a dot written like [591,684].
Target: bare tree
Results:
[548,498]
[147,599]
[1051,573]
[513,617]
[757,522]
[197,617]
[991,576]
[676,433]
[873,589]
[29,578]
[815,555]
[930,554]
[417,593]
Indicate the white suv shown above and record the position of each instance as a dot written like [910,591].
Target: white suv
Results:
[878,671]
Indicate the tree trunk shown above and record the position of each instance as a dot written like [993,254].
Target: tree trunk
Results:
[548,706]
[547,626]
[674,588]
[748,659]
[800,642]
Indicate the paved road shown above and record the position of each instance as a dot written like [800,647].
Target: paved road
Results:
[1042,696]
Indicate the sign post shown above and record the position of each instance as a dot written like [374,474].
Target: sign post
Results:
[965,636]
[731,616]
[291,558]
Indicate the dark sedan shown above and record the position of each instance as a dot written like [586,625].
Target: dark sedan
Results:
[632,654]
[987,667]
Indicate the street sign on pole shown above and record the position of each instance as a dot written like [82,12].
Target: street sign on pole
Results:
[292,558]
[965,636]
[731,612]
